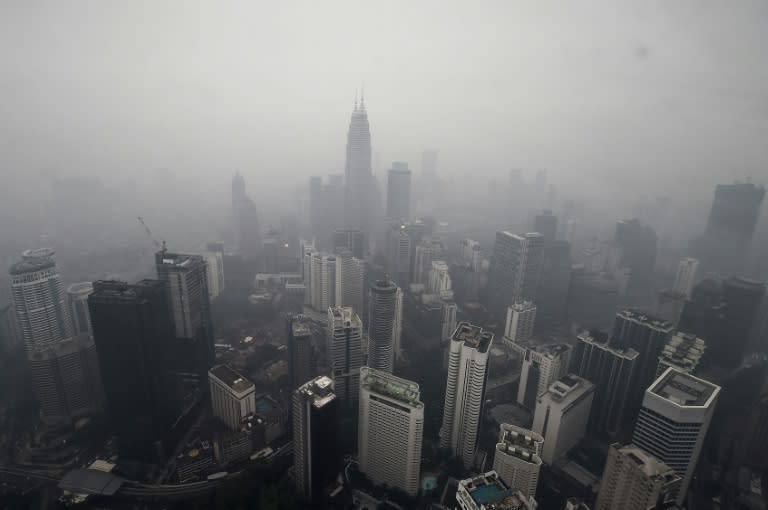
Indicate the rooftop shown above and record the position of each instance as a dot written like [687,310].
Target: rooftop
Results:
[473,336]
[646,319]
[648,464]
[231,378]
[569,387]
[684,389]
[80,289]
[91,481]
[299,328]
[319,390]
[34,260]
[402,390]
[519,442]
[490,492]
[345,315]
[178,260]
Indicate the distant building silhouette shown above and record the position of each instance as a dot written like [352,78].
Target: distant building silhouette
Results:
[246,219]
[77,297]
[515,270]
[300,355]
[399,192]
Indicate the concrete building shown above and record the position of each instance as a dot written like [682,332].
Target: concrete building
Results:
[300,352]
[426,251]
[673,422]
[449,311]
[315,455]
[562,414]
[639,245]
[683,352]
[397,325]
[77,298]
[382,321]
[233,397]
[543,361]
[345,351]
[440,279]
[214,257]
[399,246]
[635,480]
[546,225]
[390,429]
[471,253]
[350,274]
[515,270]
[352,239]
[521,318]
[322,286]
[399,192]
[517,459]
[685,278]
[465,390]
[488,491]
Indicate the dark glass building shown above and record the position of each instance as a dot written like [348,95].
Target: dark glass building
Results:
[382,308]
[300,359]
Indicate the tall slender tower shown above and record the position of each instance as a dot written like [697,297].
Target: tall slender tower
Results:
[300,359]
[77,295]
[399,192]
[350,273]
[686,275]
[345,351]
[358,177]
[517,459]
[465,390]
[382,309]
[515,270]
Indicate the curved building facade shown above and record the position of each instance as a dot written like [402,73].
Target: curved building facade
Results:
[77,296]
[382,310]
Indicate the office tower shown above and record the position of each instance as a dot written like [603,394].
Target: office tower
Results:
[77,297]
[300,362]
[465,390]
[683,352]
[399,254]
[345,351]
[315,453]
[647,335]
[727,240]
[471,253]
[542,364]
[518,458]
[350,274]
[233,397]
[669,305]
[743,298]
[187,283]
[399,192]
[638,243]
[323,281]
[361,200]
[552,295]
[132,326]
[562,414]
[592,298]
[67,380]
[9,337]
[246,219]
[390,429]
[214,257]
[382,309]
[488,491]
[449,311]
[39,300]
[686,275]
[546,225]
[704,315]
[521,317]
[673,421]
[397,325]
[613,371]
[440,279]
[515,270]
[351,239]
[635,480]
[426,251]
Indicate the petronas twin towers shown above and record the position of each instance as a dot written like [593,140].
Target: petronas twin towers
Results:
[361,201]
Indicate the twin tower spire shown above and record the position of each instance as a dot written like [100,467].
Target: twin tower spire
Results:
[361,106]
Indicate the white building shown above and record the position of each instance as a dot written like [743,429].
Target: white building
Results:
[683,352]
[440,279]
[322,286]
[77,296]
[397,325]
[686,275]
[449,310]
[518,458]
[465,390]
[674,419]
[233,397]
[470,253]
[350,272]
[542,363]
[344,345]
[489,492]
[521,317]
[390,430]
[562,414]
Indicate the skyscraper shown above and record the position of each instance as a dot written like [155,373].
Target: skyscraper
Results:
[322,286]
[350,274]
[683,352]
[552,295]
[399,192]
[546,225]
[351,239]
[426,251]
[743,298]
[517,458]
[515,270]
[214,257]
[315,454]
[562,414]
[635,480]
[638,243]
[132,327]
[399,245]
[465,390]
[345,351]
[361,201]
[449,311]
[686,275]
[440,279]
[300,362]
[542,363]
[77,297]
[390,430]
[521,317]
[233,397]
[673,421]
[382,309]
[246,219]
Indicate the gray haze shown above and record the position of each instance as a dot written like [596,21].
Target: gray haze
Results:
[641,98]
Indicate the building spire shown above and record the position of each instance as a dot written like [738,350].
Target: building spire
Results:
[362,97]
[355,100]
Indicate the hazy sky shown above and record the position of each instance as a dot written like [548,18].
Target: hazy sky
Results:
[643,92]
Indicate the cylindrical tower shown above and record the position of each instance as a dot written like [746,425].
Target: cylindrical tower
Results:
[382,307]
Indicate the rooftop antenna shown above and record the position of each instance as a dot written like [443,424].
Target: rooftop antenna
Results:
[355,99]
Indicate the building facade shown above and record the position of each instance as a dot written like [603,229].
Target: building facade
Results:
[685,278]
[399,192]
[517,459]
[233,397]
[77,298]
[345,351]
[382,321]
[515,270]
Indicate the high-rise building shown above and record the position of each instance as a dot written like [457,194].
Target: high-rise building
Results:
[246,219]
[132,327]
[397,325]
[361,201]
[351,239]
[683,352]
[542,363]
[426,251]
[449,311]
[515,270]
[743,299]
[669,305]
[350,274]
[399,254]
[673,421]
[635,480]
[546,225]
[390,430]
[399,192]
[214,257]
[233,397]
[517,459]
[77,297]
[187,283]
[315,454]
[345,351]
[612,370]
[322,286]
[686,275]
[440,279]
[488,491]
[465,390]
[521,317]
[638,243]
[562,414]
[382,309]
[552,296]
[704,315]
[471,253]
[300,355]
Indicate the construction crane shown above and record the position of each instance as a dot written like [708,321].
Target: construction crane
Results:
[160,246]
